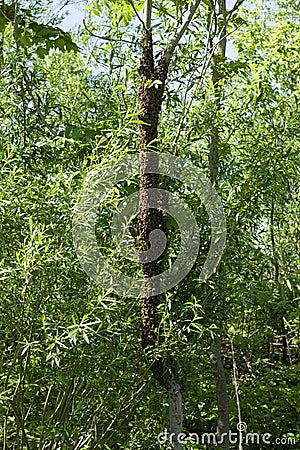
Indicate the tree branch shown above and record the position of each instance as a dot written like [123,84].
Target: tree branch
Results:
[35,103]
[105,38]
[137,14]
[170,50]
[148,13]
[236,388]
[237,4]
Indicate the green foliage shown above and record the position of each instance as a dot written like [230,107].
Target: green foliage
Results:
[30,33]
[120,12]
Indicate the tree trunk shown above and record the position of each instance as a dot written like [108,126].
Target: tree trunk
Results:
[218,56]
[222,395]
[150,96]
[175,412]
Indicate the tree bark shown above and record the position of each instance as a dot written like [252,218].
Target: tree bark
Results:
[222,395]
[218,56]
[175,412]
[150,96]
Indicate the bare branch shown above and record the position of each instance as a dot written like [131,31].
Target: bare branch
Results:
[105,38]
[237,4]
[137,14]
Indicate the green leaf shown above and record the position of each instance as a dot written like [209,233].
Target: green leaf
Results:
[207,2]
[59,43]
[41,52]
[25,40]
[3,24]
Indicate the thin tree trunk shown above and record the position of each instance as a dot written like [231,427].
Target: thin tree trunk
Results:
[237,395]
[218,56]
[222,395]
[281,313]
[175,412]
